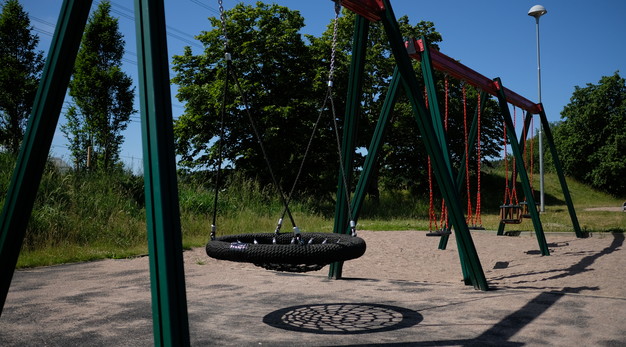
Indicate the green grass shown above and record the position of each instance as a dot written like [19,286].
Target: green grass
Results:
[557,218]
[400,211]
[96,216]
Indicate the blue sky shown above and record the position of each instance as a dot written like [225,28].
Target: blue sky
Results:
[580,42]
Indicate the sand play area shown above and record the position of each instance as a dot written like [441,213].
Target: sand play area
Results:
[402,292]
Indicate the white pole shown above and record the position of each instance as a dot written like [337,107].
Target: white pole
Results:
[538,11]
[542,205]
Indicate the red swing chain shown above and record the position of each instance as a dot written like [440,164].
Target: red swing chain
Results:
[532,149]
[444,208]
[510,194]
[528,153]
[477,216]
[514,188]
[507,192]
[432,218]
[470,217]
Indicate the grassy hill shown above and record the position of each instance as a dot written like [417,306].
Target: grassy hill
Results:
[393,214]
[95,216]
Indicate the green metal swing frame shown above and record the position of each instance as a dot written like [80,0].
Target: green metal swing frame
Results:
[429,124]
[169,303]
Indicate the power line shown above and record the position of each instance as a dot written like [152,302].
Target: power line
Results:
[128,14]
[203,5]
[182,36]
[42,21]
[42,31]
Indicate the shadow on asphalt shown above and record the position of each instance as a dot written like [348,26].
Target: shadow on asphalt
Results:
[348,319]
[582,266]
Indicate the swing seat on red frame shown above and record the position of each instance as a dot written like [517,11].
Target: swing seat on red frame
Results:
[525,210]
[440,232]
[511,214]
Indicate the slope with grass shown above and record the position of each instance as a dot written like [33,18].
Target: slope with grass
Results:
[81,217]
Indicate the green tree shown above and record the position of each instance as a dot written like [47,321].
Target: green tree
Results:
[102,92]
[20,70]
[403,161]
[276,72]
[283,74]
[591,139]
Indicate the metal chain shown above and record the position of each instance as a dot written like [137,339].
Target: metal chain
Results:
[331,71]
[222,116]
[223,23]
[342,169]
[331,74]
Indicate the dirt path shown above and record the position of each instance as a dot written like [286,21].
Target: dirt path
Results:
[403,291]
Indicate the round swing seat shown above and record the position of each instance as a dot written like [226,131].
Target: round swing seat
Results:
[280,252]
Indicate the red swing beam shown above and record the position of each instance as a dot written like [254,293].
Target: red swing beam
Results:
[372,10]
[446,64]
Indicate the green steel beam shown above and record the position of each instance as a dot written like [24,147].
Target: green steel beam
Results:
[471,138]
[460,177]
[440,132]
[441,169]
[559,171]
[353,102]
[374,148]
[513,179]
[433,103]
[541,239]
[38,136]
[169,302]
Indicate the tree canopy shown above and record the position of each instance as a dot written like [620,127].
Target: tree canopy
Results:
[276,72]
[102,92]
[591,138]
[284,77]
[20,71]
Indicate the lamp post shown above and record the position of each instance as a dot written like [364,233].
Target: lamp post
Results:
[538,11]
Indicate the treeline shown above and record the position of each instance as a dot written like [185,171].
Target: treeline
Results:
[101,93]
[283,77]
[282,81]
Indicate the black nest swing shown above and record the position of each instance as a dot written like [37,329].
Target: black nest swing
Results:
[291,252]
[286,252]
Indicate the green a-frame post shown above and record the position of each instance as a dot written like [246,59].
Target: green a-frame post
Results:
[380,10]
[559,171]
[488,86]
[521,169]
[169,303]
[557,165]
[38,136]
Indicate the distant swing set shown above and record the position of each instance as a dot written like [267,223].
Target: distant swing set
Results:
[169,303]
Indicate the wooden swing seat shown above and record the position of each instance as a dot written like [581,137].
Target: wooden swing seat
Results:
[525,210]
[511,214]
[440,232]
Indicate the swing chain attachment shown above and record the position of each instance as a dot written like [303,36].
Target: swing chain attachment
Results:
[278,226]
[331,71]
[224,33]
[213,230]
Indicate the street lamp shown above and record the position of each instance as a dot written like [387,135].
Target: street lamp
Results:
[538,11]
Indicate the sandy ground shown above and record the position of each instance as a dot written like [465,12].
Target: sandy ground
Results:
[402,292]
